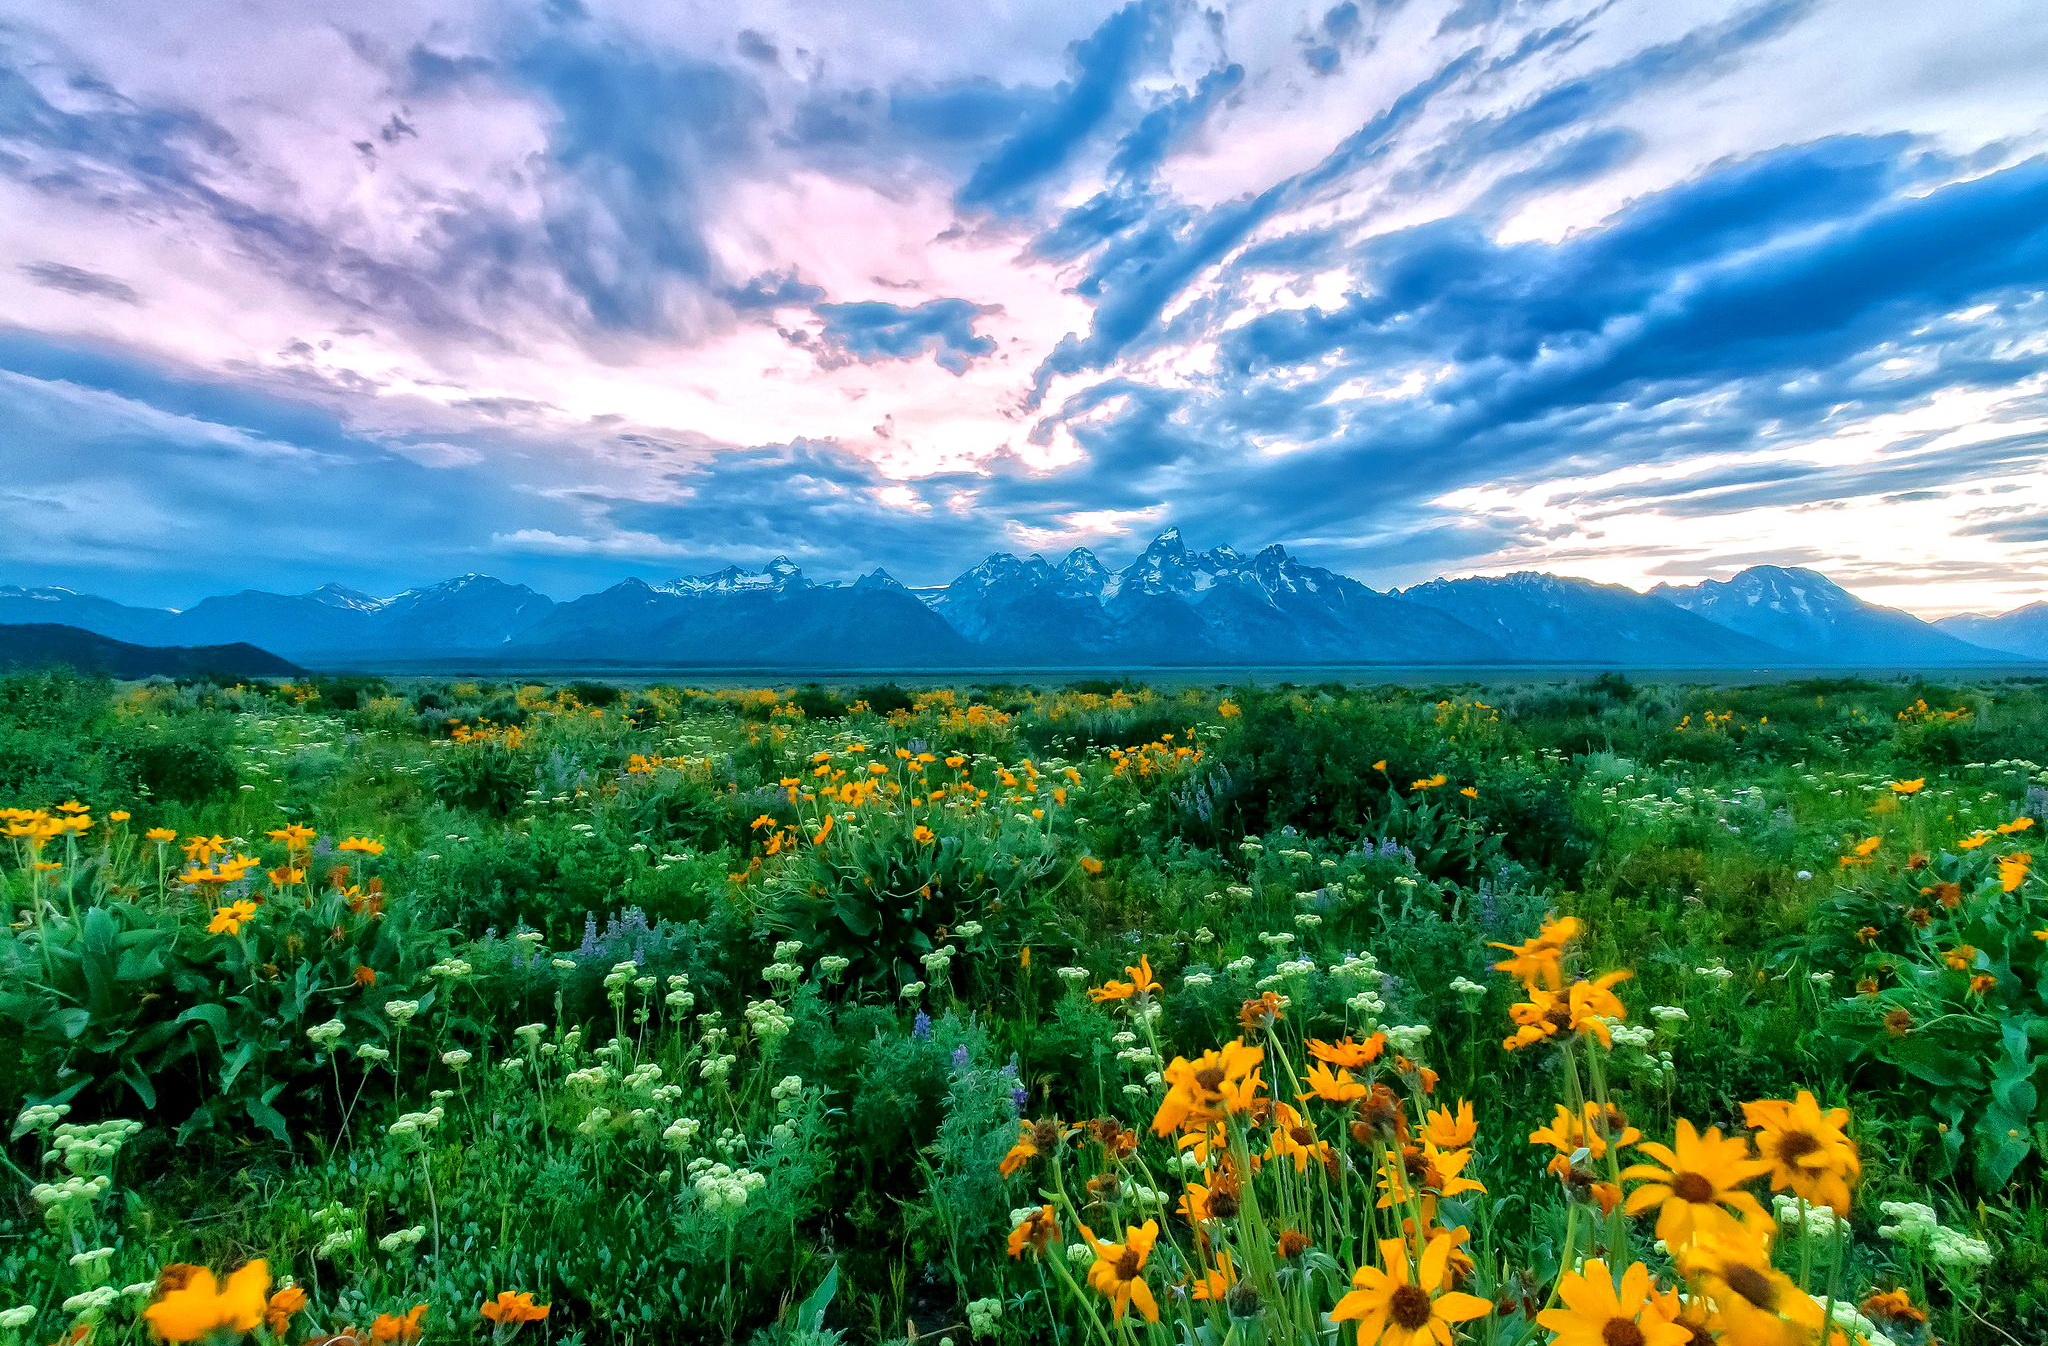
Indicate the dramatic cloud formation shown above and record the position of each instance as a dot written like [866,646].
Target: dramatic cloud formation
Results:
[569,290]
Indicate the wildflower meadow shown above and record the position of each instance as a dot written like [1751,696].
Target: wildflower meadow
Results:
[1577,1012]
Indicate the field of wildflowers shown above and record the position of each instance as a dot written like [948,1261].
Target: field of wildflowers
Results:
[1591,1013]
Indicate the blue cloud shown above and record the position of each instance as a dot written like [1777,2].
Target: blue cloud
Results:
[1104,65]
[871,329]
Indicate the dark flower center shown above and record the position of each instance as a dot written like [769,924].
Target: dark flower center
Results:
[1409,1307]
[1753,1286]
[1210,1078]
[1694,1188]
[1127,1266]
[1796,1145]
[1622,1332]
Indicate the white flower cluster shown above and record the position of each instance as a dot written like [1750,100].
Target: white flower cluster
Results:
[1465,986]
[1356,965]
[530,1034]
[455,1060]
[938,962]
[66,1197]
[788,1088]
[20,1316]
[339,1230]
[782,972]
[770,1022]
[417,1123]
[1072,976]
[1715,973]
[89,1147]
[1916,1225]
[1669,1013]
[786,949]
[1805,1217]
[717,1069]
[1368,1003]
[983,1315]
[403,1240]
[327,1034]
[681,1132]
[618,979]
[93,1300]
[1204,935]
[1240,965]
[724,1189]
[1277,940]
[1308,920]
[40,1116]
[455,969]
[831,965]
[968,930]
[401,1012]
[370,1051]
[1407,1038]
[590,1077]
[912,990]
[598,1119]
[643,1076]
[1638,1036]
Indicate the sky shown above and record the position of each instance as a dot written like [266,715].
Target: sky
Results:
[570,290]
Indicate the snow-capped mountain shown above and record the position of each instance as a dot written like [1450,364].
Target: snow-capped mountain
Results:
[1806,612]
[2023,631]
[1172,605]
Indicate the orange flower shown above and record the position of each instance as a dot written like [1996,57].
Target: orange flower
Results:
[1034,1231]
[1261,1012]
[1118,1270]
[391,1327]
[362,845]
[1091,864]
[1449,1131]
[1141,983]
[1347,1052]
[190,1305]
[2012,869]
[514,1307]
[282,1306]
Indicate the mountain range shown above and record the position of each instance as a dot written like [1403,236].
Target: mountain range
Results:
[1171,605]
[32,645]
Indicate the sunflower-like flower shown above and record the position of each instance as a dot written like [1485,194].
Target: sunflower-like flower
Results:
[1214,1282]
[1333,1086]
[1807,1148]
[1212,1085]
[1696,1185]
[1449,1130]
[1593,1130]
[1294,1138]
[1753,1301]
[1118,1270]
[1584,1008]
[1401,1305]
[1539,960]
[1598,1312]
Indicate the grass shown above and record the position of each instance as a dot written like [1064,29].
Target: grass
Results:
[1011,1014]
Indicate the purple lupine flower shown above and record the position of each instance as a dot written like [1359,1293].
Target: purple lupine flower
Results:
[960,1058]
[921,1026]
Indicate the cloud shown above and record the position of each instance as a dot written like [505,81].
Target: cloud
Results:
[1104,66]
[871,329]
[77,280]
